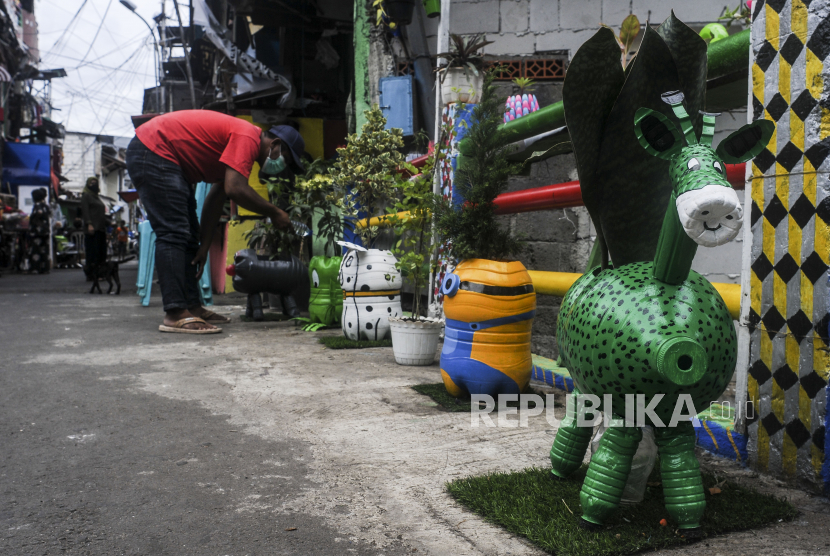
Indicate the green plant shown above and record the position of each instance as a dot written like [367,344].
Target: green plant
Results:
[465,53]
[366,171]
[316,195]
[264,236]
[524,84]
[414,246]
[310,193]
[629,30]
[471,231]
[740,14]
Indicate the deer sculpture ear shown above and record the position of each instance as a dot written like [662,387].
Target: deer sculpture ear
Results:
[746,143]
[657,134]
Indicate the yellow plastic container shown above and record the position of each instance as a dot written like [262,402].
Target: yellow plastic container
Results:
[489,307]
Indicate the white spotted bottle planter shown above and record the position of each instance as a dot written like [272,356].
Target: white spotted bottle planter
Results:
[371,293]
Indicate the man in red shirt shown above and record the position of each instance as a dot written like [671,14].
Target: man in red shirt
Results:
[168,155]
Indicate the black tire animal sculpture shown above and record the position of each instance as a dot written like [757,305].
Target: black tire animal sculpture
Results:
[254,275]
[648,325]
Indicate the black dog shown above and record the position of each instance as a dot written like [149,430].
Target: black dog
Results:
[107,271]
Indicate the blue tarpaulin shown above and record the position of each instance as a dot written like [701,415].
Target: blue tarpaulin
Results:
[26,164]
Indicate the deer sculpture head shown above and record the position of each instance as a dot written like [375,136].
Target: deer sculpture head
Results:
[708,208]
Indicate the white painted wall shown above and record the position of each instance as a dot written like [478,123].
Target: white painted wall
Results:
[80,153]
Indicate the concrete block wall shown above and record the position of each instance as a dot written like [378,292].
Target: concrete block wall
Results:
[528,27]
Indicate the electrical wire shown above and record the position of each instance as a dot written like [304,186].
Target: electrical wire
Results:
[97,31]
[68,26]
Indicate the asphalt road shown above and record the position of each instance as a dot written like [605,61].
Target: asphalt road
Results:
[90,464]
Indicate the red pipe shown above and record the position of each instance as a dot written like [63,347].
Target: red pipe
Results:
[560,195]
[568,194]
[736,174]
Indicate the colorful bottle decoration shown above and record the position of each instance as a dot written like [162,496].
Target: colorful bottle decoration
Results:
[325,304]
[520,104]
[648,326]
[489,308]
[371,292]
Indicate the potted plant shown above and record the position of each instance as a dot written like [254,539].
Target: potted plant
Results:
[522,103]
[463,78]
[489,301]
[366,172]
[415,338]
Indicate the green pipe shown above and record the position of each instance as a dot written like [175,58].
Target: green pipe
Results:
[433,8]
[723,57]
[728,55]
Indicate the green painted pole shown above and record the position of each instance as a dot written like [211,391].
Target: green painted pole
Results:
[361,64]
[723,57]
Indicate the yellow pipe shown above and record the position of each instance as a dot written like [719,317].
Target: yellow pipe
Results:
[381,220]
[558,284]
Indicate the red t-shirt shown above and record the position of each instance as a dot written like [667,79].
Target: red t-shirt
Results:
[203,143]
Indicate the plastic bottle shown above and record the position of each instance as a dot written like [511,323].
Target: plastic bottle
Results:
[641,465]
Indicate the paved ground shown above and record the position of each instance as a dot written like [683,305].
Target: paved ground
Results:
[116,439]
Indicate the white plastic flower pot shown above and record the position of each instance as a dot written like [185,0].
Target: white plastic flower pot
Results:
[371,293]
[461,85]
[415,342]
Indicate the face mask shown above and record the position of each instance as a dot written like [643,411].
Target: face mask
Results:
[273,166]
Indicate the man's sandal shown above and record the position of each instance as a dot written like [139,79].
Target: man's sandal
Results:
[178,327]
[214,318]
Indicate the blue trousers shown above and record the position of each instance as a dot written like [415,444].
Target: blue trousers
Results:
[169,202]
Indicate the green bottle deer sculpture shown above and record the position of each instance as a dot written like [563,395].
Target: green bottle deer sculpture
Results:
[646,324]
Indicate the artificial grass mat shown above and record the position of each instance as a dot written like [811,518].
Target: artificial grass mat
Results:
[445,401]
[531,504]
[341,342]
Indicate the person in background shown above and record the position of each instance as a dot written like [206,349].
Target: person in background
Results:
[94,214]
[172,152]
[122,237]
[39,233]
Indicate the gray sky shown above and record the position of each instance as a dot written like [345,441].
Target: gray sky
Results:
[107,77]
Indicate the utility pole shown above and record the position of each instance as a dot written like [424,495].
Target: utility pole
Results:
[187,67]
[156,56]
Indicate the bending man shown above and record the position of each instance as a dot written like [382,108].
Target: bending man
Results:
[170,154]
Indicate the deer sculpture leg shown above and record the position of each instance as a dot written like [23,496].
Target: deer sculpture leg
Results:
[571,442]
[608,473]
[682,483]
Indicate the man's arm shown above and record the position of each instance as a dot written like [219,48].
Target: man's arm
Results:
[237,188]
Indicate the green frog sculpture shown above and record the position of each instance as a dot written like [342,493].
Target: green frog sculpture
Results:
[644,323]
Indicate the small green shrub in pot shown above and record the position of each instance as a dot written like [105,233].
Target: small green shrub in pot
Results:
[367,177]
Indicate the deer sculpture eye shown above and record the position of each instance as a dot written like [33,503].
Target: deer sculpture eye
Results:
[717,166]
[693,165]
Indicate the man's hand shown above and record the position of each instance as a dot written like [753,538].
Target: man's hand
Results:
[90,229]
[200,259]
[279,218]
